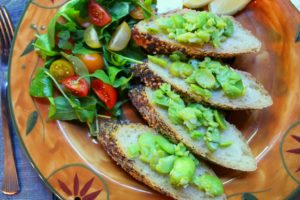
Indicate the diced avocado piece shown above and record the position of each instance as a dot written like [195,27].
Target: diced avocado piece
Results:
[206,94]
[203,35]
[182,172]
[164,23]
[189,118]
[152,30]
[155,156]
[205,78]
[173,110]
[180,69]
[212,146]
[229,28]
[160,98]
[178,56]
[146,142]
[196,161]
[213,135]
[189,38]
[226,144]
[146,153]
[165,165]
[210,184]
[133,151]
[196,135]
[159,61]
[220,120]
[180,150]
[165,145]
[178,20]
[231,83]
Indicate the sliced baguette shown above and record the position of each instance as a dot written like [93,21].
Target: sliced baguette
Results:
[241,42]
[256,97]
[238,156]
[116,138]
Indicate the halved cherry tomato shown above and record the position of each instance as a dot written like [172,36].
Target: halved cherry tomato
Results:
[120,37]
[98,15]
[61,69]
[90,37]
[79,87]
[105,92]
[92,61]
[137,13]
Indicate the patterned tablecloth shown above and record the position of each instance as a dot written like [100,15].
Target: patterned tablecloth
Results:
[32,186]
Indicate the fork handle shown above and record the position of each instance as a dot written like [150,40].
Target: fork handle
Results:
[10,182]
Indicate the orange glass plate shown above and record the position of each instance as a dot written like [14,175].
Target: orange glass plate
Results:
[73,165]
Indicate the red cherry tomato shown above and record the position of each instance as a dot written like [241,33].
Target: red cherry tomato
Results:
[105,92]
[92,61]
[98,15]
[79,88]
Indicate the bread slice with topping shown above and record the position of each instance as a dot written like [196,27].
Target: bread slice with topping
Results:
[237,156]
[255,97]
[116,139]
[242,40]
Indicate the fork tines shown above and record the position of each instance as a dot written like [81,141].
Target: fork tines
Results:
[6,28]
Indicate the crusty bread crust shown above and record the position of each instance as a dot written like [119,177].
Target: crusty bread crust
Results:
[242,41]
[108,137]
[239,157]
[260,100]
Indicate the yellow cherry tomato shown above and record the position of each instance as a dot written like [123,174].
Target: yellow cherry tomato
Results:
[120,37]
[61,69]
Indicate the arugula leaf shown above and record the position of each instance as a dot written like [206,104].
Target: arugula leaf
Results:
[64,37]
[42,46]
[112,73]
[117,59]
[123,81]
[41,85]
[101,75]
[111,77]
[51,30]
[119,10]
[78,65]
[79,48]
[60,109]
[146,7]
[86,110]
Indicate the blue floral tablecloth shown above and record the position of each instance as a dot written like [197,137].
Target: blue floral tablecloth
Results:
[31,185]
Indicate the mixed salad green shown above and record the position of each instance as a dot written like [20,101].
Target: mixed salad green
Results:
[87,51]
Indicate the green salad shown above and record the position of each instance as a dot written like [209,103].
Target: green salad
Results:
[87,52]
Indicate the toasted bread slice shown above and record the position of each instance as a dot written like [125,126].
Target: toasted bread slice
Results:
[241,42]
[238,156]
[256,97]
[116,139]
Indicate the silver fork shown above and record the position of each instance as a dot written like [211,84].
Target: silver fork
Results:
[10,184]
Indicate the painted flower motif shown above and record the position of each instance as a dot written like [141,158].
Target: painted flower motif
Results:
[297,150]
[79,194]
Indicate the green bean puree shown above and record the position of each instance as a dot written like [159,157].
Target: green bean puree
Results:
[201,122]
[203,77]
[195,28]
[175,161]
